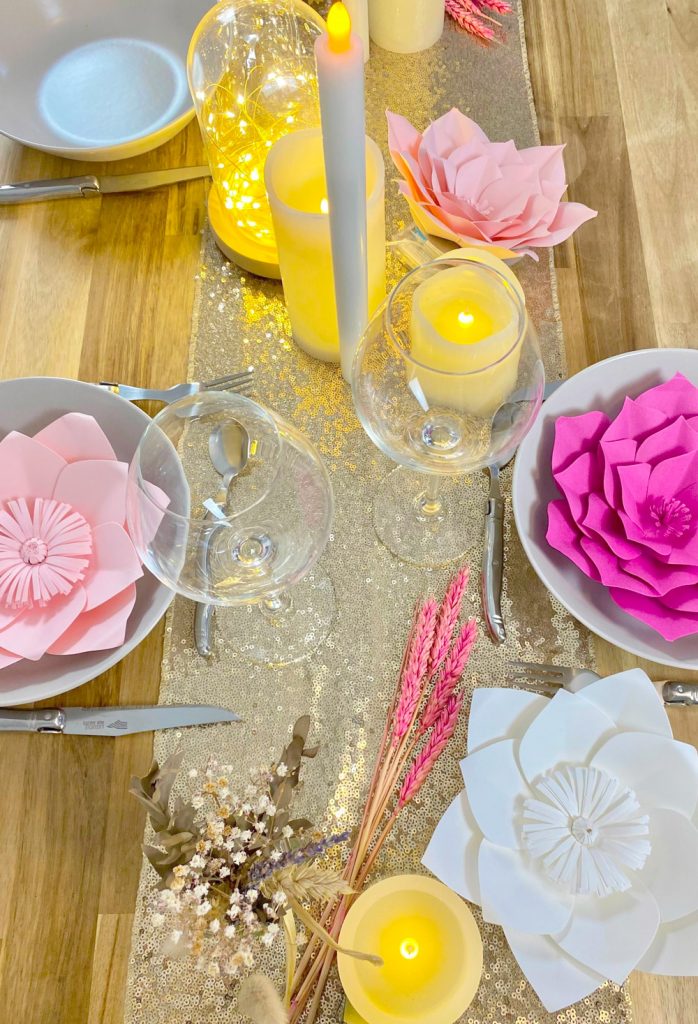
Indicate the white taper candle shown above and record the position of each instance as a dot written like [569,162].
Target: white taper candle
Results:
[340,72]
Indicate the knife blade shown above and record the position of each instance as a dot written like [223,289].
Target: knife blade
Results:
[87,185]
[112,721]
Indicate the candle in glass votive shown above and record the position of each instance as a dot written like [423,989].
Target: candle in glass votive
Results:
[468,319]
[431,951]
[295,181]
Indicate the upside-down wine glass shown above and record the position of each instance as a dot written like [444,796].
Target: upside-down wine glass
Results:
[447,380]
[248,544]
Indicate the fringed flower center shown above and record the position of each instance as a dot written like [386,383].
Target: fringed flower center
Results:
[45,548]
[669,517]
[586,829]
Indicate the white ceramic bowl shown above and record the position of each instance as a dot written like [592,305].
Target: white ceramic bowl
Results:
[601,386]
[27,405]
[95,79]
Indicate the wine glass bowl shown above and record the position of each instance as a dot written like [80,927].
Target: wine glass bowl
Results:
[447,380]
[242,545]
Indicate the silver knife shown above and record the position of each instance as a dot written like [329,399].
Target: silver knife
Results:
[492,572]
[90,185]
[114,721]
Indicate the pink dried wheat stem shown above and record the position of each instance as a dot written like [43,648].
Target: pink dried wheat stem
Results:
[448,617]
[468,21]
[498,6]
[450,676]
[415,670]
[433,749]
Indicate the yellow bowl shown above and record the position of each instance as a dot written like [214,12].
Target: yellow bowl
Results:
[431,950]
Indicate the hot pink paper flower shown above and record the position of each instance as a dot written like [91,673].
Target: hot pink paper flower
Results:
[629,512]
[67,565]
[462,187]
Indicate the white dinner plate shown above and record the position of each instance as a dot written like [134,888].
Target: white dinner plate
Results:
[29,404]
[95,79]
[602,386]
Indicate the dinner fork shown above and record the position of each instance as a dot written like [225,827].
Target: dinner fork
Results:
[548,679]
[241,382]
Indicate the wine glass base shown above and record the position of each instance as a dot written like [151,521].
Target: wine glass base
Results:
[285,635]
[415,528]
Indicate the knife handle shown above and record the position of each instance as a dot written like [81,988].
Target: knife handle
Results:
[36,191]
[39,720]
[493,569]
[679,693]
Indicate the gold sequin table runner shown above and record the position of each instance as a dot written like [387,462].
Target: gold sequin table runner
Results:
[345,686]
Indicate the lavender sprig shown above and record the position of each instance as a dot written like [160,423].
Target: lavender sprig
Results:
[265,868]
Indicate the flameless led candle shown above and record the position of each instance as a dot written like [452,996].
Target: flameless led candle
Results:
[340,75]
[431,951]
[467,320]
[295,182]
[406,26]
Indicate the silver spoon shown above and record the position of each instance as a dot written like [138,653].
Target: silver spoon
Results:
[229,450]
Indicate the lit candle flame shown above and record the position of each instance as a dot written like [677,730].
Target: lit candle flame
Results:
[324,206]
[409,949]
[339,27]
[465,318]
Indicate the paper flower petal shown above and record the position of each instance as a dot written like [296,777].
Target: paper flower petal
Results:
[101,629]
[75,437]
[674,951]
[95,489]
[557,979]
[114,565]
[671,870]
[563,535]
[29,469]
[672,624]
[568,730]
[610,935]
[498,714]
[661,771]
[496,789]
[520,898]
[627,699]
[7,659]
[31,635]
[452,853]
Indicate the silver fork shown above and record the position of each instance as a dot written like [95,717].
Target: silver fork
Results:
[548,679]
[241,382]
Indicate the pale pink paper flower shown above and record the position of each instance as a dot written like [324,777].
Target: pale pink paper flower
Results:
[67,565]
[464,188]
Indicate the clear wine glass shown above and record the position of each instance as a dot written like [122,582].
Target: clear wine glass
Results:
[245,535]
[447,380]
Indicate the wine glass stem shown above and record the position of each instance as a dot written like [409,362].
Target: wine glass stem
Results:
[429,502]
[275,607]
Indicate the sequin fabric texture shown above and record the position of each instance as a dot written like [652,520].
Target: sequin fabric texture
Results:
[345,686]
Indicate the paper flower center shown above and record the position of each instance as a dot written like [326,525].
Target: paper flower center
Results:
[669,517]
[45,548]
[586,829]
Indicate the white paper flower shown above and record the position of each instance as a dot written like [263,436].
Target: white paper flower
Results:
[576,832]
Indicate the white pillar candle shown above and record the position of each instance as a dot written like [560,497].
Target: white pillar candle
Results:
[468,323]
[294,175]
[358,12]
[340,73]
[406,26]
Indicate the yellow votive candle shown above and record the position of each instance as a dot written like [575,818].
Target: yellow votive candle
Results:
[431,951]
[468,322]
[295,182]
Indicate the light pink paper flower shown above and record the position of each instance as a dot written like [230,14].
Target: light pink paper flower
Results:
[629,512]
[462,187]
[67,565]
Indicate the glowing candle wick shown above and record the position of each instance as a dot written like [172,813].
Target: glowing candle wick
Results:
[339,28]
[465,318]
[409,949]
[324,206]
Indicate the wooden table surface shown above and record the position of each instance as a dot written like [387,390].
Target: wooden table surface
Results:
[104,289]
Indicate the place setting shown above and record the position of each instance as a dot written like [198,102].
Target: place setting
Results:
[379,527]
